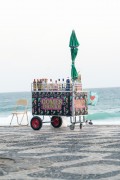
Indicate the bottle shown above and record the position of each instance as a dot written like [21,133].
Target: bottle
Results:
[38,84]
[43,84]
[46,84]
[67,84]
[56,86]
[63,85]
[34,85]
[59,85]
[79,78]
[79,83]
[51,85]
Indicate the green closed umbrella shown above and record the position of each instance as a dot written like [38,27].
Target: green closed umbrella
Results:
[73,45]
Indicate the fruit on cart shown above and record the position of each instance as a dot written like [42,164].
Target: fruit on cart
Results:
[36,123]
[56,121]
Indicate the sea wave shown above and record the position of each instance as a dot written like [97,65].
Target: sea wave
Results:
[103,115]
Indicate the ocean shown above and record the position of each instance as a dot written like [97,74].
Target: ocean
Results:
[107,110]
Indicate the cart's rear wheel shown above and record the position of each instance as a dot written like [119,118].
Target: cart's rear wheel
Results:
[56,121]
[36,123]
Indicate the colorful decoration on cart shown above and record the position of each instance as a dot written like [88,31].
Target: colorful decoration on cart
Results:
[80,103]
[58,103]
[92,98]
[52,103]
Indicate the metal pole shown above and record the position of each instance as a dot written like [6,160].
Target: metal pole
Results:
[73,95]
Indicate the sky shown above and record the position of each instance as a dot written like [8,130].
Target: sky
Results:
[34,42]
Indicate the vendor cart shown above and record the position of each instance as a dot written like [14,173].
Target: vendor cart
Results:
[56,104]
[58,100]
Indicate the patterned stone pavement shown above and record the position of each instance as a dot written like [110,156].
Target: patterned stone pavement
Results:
[89,153]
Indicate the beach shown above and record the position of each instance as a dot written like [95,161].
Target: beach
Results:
[59,65]
[60,153]
[92,152]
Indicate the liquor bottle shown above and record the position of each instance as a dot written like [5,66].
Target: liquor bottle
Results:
[46,84]
[43,84]
[34,85]
[59,85]
[51,85]
[67,84]
[79,83]
[56,86]
[63,85]
[38,84]
[79,78]
[71,85]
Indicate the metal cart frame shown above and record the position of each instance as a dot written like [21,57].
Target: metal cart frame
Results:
[58,103]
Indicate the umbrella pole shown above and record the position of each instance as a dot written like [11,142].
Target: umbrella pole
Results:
[73,96]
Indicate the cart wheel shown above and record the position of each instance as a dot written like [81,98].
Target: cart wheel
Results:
[36,123]
[56,121]
[72,126]
[81,125]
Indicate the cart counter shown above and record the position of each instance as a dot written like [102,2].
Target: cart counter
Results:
[59,103]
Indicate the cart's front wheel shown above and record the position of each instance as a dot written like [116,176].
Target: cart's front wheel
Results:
[72,126]
[56,121]
[36,123]
[81,125]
